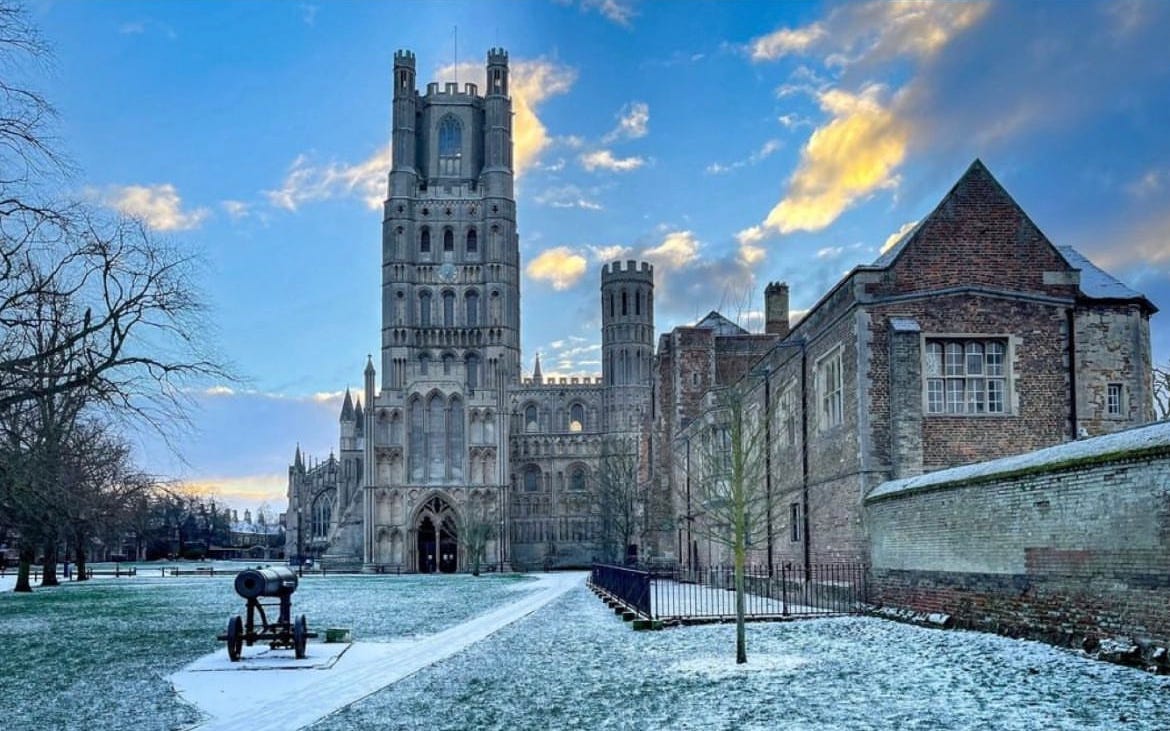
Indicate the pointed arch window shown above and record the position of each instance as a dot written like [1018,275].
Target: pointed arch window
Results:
[455,434]
[531,478]
[577,479]
[417,448]
[472,242]
[436,418]
[472,371]
[530,422]
[471,300]
[424,308]
[322,514]
[448,241]
[450,147]
[448,309]
[576,417]
[424,241]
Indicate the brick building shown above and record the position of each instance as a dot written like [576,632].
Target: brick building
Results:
[972,338]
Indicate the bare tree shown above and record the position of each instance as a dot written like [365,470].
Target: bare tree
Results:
[1162,391]
[617,497]
[727,477]
[98,317]
[477,527]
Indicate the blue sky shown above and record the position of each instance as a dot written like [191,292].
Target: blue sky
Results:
[731,143]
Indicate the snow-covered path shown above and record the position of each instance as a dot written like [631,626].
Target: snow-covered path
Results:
[290,699]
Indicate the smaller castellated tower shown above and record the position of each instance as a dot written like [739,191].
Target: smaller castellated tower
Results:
[627,343]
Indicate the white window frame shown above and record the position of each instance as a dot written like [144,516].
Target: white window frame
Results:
[830,395]
[1115,394]
[972,372]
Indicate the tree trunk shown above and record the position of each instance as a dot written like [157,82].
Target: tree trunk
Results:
[740,630]
[79,558]
[49,568]
[27,556]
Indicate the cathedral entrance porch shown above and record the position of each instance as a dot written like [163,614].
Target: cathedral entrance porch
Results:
[436,538]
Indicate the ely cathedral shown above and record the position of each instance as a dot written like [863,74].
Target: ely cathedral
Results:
[447,436]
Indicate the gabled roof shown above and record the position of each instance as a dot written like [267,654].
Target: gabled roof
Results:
[720,324]
[1095,283]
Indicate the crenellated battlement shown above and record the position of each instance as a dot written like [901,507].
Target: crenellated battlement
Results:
[403,57]
[497,55]
[632,270]
[451,88]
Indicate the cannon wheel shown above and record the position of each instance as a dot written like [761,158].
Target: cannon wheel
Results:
[235,637]
[300,636]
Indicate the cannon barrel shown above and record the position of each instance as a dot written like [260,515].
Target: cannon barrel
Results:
[272,581]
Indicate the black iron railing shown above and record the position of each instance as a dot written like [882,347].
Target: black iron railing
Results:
[630,586]
[682,593]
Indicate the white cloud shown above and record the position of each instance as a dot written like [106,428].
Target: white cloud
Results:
[567,196]
[604,159]
[792,121]
[159,206]
[309,182]
[606,254]
[633,122]
[767,150]
[235,209]
[560,266]
[830,252]
[616,11]
[1148,183]
[785,41]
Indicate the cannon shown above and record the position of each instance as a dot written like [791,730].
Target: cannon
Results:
[277,582]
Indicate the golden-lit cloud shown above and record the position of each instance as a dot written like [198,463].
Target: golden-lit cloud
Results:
[855,153]
[241,490]
[897,235]
[308,181]
[604,160]
[560,266]
[874,31]
[159,206]
[751,254]
[677,249]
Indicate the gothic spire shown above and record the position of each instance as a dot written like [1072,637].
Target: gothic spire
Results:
[536,375]
[359,417]
[347,407]
[297,461]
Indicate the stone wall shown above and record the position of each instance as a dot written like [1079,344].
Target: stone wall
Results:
[1069,544]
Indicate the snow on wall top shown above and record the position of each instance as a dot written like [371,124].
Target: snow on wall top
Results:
[1131,440]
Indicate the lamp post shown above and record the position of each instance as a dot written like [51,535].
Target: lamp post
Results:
[300,541]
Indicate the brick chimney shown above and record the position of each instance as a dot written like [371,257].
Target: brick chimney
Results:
[776,309]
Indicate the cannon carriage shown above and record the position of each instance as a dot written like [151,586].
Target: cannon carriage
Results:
[277,582]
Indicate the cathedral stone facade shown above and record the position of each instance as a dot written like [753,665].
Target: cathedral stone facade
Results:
[451,441]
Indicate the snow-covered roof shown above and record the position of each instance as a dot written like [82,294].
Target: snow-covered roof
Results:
[1139,439]
[1095,282]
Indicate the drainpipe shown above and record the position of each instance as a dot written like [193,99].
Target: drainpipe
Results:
[1071,317]
[804,459]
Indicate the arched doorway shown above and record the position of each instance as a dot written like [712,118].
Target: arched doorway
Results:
[437,548]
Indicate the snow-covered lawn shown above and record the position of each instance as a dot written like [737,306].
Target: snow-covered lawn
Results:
[97,657]
[574,665]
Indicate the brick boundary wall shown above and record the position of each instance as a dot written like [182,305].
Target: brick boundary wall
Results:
[1069,545]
